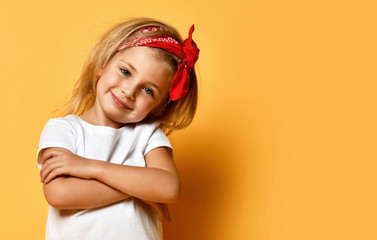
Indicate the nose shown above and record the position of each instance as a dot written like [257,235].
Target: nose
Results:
[128,91]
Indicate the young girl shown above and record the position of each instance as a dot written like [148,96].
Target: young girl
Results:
[107,167]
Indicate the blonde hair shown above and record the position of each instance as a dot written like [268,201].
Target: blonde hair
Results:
[169,115]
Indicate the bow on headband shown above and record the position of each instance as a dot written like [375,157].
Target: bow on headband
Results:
[188,51]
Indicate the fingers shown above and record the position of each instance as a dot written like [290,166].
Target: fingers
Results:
[50,170]
[47,154]
[45,170]
[53,174]
[52,152]
[53,163]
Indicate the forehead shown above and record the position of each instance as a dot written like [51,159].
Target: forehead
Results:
[137,52]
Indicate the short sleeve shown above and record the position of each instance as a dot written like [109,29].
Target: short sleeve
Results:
[157,139]
[56,133]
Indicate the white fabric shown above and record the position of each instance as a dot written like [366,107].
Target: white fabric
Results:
[129,219]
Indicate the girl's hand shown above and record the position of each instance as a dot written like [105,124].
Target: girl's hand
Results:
[58,161]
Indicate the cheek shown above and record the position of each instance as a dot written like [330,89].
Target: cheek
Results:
[100,87]
[157,107]
[147,105]
[105,82]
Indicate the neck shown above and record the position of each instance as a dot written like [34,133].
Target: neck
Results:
[92,117]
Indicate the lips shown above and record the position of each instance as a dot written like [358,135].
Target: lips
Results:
[119,102]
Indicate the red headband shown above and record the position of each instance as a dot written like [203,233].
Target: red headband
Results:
[188,51]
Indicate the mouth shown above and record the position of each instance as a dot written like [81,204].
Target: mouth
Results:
[119,102]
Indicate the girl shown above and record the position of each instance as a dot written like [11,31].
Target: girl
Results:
[107,166]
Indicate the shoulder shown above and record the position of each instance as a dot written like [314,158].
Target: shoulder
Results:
[59,132]
[151,136]
[62,126]
[146,127]
[70,121]
[144,132]
[147,130]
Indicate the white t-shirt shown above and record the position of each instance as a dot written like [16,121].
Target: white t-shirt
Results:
[128,219]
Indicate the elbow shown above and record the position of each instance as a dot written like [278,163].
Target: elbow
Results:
[55,194]
[55,202]
[173,192]
[53,198]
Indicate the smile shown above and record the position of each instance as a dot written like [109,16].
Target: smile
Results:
[119,102]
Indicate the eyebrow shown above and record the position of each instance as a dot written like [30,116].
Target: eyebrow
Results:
[129,64]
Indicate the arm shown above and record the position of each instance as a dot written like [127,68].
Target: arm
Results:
[76,193]
[159,182]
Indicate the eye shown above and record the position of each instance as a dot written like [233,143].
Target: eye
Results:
[148,91]
[125,72]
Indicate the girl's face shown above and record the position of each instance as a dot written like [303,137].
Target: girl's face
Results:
[129,87]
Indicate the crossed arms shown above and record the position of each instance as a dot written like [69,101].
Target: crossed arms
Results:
[74,182]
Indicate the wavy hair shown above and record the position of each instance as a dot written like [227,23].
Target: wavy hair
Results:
[170,115]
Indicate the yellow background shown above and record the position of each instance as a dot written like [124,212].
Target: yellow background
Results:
[284,143]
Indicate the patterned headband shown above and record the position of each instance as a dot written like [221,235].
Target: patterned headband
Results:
[188,51]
